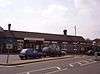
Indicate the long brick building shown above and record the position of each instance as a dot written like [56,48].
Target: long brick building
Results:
[16,40]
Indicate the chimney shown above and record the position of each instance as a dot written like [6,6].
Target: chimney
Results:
[9,26]
[65,32]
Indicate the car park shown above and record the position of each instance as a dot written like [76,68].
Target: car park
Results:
[29,53]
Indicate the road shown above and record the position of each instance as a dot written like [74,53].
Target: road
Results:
[75,65]
[88,69]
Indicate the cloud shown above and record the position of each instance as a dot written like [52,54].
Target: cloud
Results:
[4,3]
[52,16]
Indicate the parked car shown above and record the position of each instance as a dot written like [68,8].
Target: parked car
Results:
[96,49]
[97,56]
[90,52]
[29,53]
[52,52]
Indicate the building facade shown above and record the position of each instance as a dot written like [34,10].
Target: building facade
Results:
[17,40]
[96,42]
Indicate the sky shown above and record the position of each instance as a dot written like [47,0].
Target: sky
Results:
[52,16]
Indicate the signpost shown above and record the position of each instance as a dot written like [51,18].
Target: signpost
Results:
[8,47]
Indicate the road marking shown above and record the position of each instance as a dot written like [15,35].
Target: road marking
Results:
[71,65]
[58,68]
[11,66]
[56,71]
[79,63]
[37,70]
[88,63]
[27,73]
[52,72]
[7,66]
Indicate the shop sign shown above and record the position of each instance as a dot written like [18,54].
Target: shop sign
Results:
[34,39]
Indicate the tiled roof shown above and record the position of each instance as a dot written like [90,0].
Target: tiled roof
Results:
[97,40]
[46,36]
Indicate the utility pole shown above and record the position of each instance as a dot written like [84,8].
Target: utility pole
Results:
[75,29]
[75,43]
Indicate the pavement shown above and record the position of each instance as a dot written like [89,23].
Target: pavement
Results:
[15,60]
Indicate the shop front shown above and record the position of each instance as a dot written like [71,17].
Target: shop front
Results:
[35,43]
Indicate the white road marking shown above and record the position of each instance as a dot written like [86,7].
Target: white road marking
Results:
[7,66]
[27,73]
[71,65]
[56,71]
[11,66]
[37,70]
[79,63]
[88,63]
[52,72]
[91,60]
[58,68]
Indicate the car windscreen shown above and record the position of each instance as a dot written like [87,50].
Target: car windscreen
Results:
[23,50]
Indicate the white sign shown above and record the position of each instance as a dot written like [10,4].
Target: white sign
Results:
[38,39]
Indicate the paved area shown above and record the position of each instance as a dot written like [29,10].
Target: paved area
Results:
[15,60]
[60,66]
[12,58]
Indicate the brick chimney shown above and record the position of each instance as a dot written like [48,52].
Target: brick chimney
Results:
[65,32]
[9,27]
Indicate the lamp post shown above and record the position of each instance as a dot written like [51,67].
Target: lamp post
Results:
[75,29]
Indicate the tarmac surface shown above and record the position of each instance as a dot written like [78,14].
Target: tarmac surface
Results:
[66,65]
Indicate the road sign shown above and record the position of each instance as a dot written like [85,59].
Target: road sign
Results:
[9,46]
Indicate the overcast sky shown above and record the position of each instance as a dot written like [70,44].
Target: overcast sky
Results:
[52,16]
